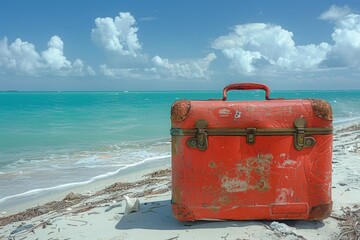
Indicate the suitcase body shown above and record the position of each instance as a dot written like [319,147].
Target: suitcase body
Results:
[241,160]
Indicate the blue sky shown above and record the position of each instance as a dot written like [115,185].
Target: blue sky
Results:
[178,45]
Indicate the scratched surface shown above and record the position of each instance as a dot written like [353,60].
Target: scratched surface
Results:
[269,179]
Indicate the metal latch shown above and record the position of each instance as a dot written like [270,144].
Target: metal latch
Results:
[200,140]
[250,135]
[300,140]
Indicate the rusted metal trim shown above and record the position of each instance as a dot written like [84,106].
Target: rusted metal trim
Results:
[182,212]
[322,109]
[200,135]
[180,110]
[244,131]
[320,212]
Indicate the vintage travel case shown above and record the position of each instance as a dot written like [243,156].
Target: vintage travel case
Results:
[268,159]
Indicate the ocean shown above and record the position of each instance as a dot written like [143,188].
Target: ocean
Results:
[54,140]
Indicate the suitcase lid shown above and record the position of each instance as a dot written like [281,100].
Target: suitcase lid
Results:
[272,117]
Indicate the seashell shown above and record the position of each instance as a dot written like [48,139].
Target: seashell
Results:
[132,204]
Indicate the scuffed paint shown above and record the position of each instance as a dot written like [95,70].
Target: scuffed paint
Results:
[176,195]
[224,112]
[252,175]
[288,163]
[214,207]
[283,194]
[176,145]
[212,164]
[234,184]
[224,199]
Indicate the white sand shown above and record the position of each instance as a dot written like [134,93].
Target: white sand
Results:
[103,215]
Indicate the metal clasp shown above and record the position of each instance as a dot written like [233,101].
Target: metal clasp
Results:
[250,135]
[300,140]
[200,141]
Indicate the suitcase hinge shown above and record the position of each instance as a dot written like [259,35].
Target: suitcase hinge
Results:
[200,140]
[250,135]
[300,140]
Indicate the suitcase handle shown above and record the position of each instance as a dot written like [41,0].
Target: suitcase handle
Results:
[246,86]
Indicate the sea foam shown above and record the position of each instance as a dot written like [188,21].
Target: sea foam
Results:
[76,184]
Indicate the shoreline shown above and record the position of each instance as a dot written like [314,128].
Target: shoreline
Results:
[85,167]
[16,204]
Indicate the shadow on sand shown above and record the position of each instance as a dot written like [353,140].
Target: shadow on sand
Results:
[157,215]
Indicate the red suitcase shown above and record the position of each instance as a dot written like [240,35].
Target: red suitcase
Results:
[242,160]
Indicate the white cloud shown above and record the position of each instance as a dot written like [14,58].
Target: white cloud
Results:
[158,68]
[346,36]
[79,68]
[194,69]
[127,73]
[54,56]
[259,46]
[21,57]
[117,35]
[335,13]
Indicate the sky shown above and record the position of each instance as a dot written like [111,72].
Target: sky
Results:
[118,45]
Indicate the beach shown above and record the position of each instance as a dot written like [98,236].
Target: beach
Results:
[97,211]
[132,120]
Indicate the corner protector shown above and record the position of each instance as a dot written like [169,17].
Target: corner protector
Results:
[322,109]
[182,213]
[320,212]
[180,110]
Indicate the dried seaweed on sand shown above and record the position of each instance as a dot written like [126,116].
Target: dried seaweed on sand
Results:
[76,203]
[350,227]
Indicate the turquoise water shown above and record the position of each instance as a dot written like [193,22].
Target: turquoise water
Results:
[50,140]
